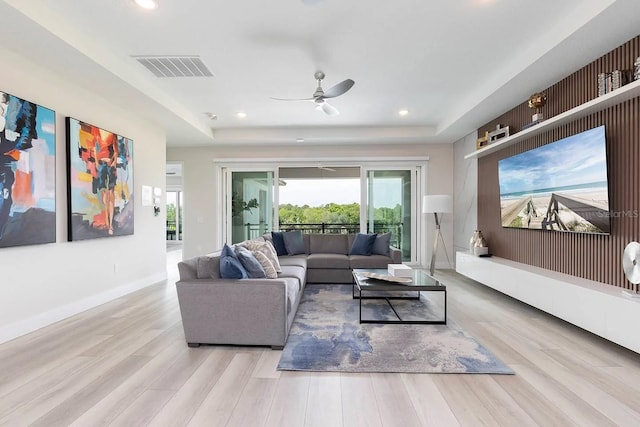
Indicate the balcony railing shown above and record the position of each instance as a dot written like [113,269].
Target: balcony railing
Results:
[172,231]
[256,230]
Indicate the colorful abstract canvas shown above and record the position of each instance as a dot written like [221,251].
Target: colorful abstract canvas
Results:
[27,172]
[100,182]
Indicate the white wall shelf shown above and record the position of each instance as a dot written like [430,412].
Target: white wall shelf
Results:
[617,96]
[597,307]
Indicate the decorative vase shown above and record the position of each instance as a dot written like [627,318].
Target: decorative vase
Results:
[472,243]
[480,246]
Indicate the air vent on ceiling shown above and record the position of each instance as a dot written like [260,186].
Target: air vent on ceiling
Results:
[175,66]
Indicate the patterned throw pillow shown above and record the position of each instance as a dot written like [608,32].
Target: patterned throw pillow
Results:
[269,270]
[265,248]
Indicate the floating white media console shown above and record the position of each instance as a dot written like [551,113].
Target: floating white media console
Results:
[597,307]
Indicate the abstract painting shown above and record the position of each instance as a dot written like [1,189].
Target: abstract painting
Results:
[27,172]
[100,182]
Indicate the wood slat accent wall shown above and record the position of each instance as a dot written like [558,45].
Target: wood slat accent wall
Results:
[589,256]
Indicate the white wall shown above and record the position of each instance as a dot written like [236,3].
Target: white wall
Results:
[465,181]
[201,212]
[41,284]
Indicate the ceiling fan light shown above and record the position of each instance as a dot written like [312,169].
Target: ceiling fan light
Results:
[147,4]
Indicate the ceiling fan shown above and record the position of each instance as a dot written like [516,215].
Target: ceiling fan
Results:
[325,168]
[320,96]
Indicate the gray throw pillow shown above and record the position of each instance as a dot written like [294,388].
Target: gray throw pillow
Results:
[250,263]
[381,245]
[294,242]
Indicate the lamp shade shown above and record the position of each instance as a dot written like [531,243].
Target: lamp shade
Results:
[441,203]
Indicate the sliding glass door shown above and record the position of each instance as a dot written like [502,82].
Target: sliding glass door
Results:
[388,201]
[250,199]
[390,207]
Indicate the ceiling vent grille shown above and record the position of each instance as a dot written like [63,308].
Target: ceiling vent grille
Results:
[175,66]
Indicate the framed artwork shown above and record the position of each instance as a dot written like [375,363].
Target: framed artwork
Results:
[100,182]
[27,172]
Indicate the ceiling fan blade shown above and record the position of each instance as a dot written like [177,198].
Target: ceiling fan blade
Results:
[339,89]
[289,99]
[330,109]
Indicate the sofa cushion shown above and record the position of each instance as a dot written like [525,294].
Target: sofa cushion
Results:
[269,269]
[369,261]
[250,263]
[328,261]
[299,260]
[230,266]
[362,244]
[277,240]
[293,242]
[381,245]
[292,289]
[295,272]
[208,267]
[328,244]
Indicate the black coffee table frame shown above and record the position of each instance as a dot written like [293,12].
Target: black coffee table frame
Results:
[421,283]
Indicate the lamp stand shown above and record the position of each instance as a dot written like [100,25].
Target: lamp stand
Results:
[435,245]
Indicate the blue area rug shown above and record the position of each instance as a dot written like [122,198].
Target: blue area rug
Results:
[327,336]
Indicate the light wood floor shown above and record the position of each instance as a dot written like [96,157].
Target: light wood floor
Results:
[126,364]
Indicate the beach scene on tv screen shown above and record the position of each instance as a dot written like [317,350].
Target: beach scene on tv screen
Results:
[560,186]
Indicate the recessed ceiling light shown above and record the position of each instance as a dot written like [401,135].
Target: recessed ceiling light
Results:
[403,112]
[147,4]
[299,139]
[241,115]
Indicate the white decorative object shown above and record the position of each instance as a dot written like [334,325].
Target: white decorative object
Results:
[631,267]
[480,250]
[399,270]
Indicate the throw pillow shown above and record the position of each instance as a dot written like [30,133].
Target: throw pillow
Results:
[230,267]
[362,244]
[266,248]
[381,245]
[269,270]
[250,263]
[227,251]
[294,242]
[278,242]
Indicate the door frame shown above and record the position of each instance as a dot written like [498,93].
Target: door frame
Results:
[223,167]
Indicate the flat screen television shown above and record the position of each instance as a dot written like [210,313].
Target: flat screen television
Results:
[561,186]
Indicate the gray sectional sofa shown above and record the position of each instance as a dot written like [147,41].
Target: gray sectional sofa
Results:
[260,311]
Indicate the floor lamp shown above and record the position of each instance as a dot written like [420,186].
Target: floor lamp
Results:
[435,204]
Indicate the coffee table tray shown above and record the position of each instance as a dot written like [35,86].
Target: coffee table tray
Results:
[386,277]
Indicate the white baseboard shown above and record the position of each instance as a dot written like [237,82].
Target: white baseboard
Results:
[602,309]
[23,327]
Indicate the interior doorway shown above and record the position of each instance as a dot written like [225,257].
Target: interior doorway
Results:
[174,201]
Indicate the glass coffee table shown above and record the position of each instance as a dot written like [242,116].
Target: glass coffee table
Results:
[365,288]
